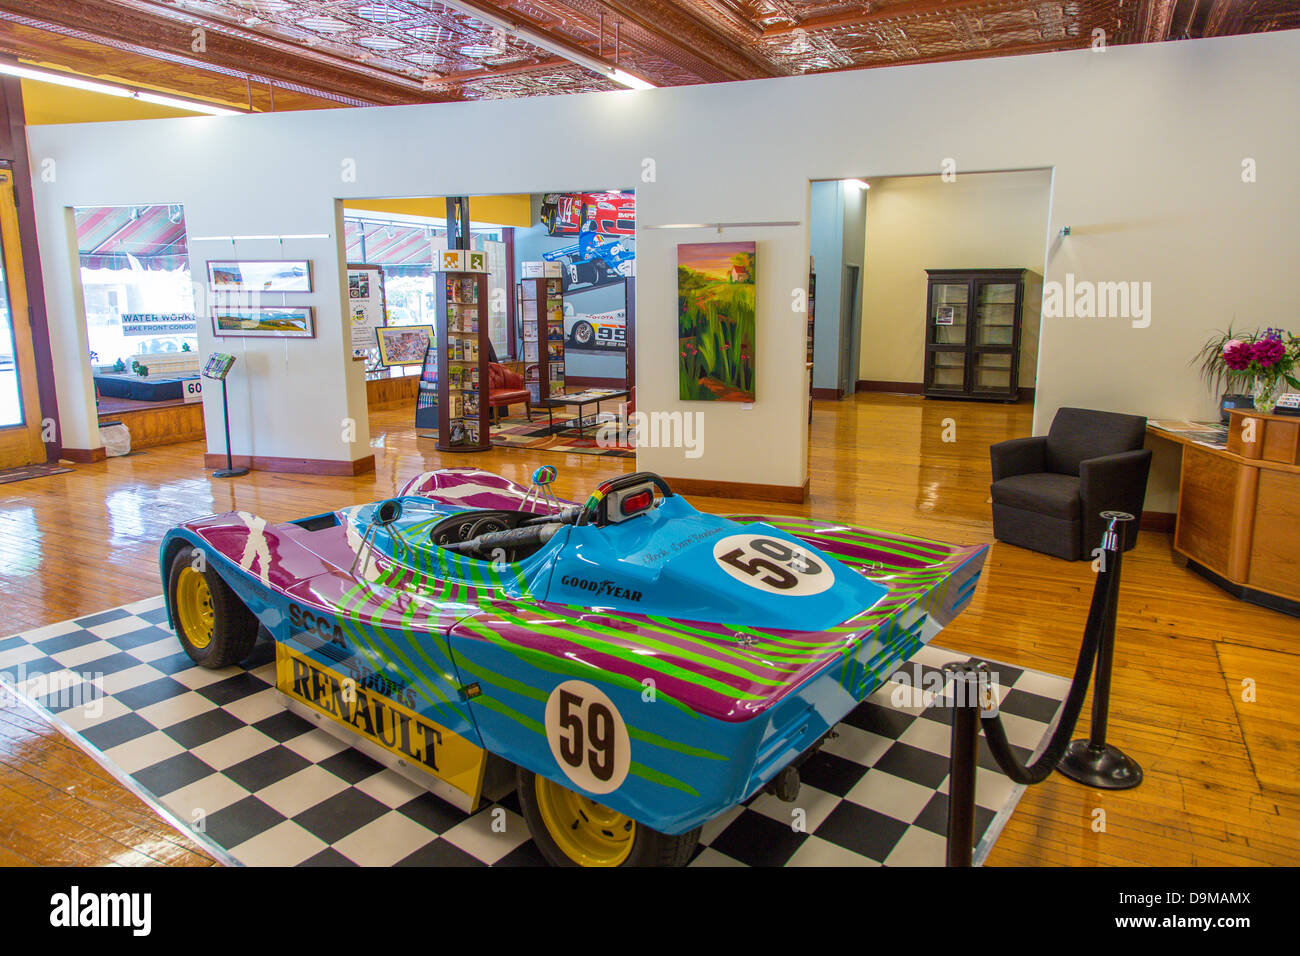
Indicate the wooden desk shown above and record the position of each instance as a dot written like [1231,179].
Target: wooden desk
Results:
[1239,507]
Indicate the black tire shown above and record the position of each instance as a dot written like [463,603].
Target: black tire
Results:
[649,848]
[234,626]
[583,334]
[599,272]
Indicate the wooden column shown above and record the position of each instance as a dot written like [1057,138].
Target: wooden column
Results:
[13,152]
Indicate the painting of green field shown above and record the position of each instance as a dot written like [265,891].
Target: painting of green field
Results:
[715,321]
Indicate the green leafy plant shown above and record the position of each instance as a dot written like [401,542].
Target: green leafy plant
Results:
[119,366]
[1214,371]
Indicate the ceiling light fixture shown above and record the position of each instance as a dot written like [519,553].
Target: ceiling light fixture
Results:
[113,89]
[538,39]
[631,82]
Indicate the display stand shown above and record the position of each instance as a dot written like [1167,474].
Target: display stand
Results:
[541,304]
[218,367]
[454,381]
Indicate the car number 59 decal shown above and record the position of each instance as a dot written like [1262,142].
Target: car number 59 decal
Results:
[587,736]
[773,565]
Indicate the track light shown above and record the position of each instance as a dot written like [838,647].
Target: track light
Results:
[113,89]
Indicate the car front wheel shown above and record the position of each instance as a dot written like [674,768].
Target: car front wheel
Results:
[213,625]
[582,334]
[573,830]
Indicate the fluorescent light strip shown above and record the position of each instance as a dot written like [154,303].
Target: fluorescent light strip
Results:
[596,65]
[113,89]
[314,235]
[630,81]
[722,225]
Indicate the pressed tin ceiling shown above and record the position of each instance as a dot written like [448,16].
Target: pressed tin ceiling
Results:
[407,51]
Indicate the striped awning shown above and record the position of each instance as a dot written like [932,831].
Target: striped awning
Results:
[389,244]
[129,237]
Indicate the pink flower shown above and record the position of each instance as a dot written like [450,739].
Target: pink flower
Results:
[1268,352]
[1237,355]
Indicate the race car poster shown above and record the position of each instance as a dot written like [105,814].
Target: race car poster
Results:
[602,227]
[611,213]
[715,321]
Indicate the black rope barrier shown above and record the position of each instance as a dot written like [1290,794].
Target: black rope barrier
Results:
[975,709]
[1093,761]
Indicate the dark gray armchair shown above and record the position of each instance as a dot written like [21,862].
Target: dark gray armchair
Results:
[1049,492]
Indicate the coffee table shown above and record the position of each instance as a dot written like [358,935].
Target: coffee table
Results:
[592,396]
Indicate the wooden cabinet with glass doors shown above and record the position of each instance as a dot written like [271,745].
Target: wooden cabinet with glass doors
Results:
[972,333]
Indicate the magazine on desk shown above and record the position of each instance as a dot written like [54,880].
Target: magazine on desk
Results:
[1210,434]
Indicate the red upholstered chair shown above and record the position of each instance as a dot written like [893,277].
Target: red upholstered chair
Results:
[506,388]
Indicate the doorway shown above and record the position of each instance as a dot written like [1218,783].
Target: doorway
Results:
[850,329]
[20,408]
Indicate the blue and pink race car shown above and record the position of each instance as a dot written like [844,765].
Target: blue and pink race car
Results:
[638,667]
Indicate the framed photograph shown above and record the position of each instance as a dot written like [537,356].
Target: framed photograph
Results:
[265,275]
[403,344]
[943,315]
[286,321]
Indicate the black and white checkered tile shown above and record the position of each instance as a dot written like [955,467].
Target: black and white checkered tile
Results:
[215,751]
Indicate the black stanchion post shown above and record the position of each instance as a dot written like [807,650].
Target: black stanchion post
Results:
[230,471]
[964,688]
[1094,762]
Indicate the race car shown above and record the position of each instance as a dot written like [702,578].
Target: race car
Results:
[593,260]
[612,213]
[634,666]
[597,330]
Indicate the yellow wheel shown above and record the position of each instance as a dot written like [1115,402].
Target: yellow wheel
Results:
[214,627]
[586,832]
[194,607]
[574,830]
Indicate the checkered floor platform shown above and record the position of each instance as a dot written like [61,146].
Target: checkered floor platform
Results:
[261,786]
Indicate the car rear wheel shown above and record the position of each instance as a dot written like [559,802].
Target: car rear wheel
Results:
[573,830]
[213,626]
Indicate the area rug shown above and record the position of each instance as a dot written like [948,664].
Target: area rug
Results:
[31,471]
[536,436]
[215,753]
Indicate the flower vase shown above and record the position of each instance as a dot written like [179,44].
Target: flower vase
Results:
[1266,391]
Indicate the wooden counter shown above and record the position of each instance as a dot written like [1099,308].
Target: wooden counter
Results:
[1239,507]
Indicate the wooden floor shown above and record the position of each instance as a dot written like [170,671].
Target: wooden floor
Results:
[1221,771]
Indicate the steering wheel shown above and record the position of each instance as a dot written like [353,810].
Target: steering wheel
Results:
[594,510]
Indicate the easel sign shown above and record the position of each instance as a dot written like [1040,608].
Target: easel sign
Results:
[366,307]
[218,366]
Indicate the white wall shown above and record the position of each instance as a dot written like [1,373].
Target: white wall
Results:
[977,221]
[1146,143]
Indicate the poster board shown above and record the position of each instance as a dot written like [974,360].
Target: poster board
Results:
[366,306]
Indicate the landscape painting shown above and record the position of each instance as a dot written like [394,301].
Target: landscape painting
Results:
[290,275]
[715,321]
[282,322]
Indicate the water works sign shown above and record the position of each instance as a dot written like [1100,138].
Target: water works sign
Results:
[159,323]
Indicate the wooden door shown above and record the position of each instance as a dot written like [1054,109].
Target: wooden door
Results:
[20,406]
